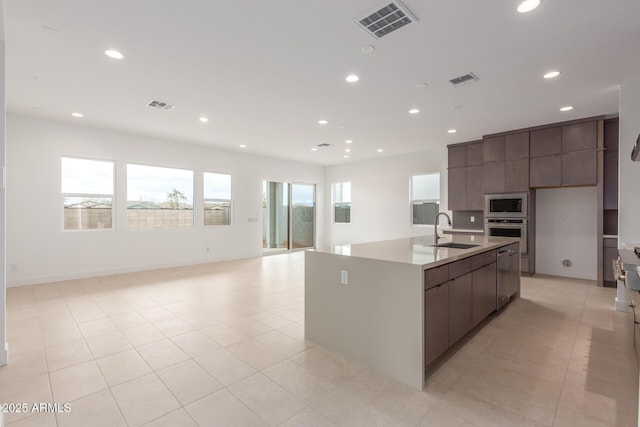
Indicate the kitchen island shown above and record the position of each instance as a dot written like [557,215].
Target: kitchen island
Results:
[396,305]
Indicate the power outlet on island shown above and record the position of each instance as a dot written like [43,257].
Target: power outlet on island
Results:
[344,277]
[472,219]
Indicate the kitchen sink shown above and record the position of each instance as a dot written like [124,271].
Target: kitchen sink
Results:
[454,245]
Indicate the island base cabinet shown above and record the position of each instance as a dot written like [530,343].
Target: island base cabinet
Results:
[436,322]
[484,293]
[460,306]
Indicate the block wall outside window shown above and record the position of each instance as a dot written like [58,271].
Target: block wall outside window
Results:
[425,198]
[217,198]
[87,193]
[342,202]
[159,197]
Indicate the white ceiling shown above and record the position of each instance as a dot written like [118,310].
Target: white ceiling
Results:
[264,72]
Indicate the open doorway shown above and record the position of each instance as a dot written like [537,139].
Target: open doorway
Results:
[288,216]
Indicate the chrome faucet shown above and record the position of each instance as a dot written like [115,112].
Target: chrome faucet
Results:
[435,226]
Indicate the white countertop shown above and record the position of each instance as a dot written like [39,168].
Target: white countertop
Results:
[419,250]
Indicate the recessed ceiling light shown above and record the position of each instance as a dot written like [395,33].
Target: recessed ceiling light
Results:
[322,122]
[452,131]
[367,49]
[112,53]
[421,85]
[567,108]
[243,146]
[203,119]
[352,78]
[346,157]
[348,150]
[528,5]
[379,150]
[348,141]
[314,149]
[79,115]
[414,111]
[551,74]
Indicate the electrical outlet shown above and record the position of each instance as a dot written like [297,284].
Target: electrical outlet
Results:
[13,268]
[472,219]
[344,277]
[208,249]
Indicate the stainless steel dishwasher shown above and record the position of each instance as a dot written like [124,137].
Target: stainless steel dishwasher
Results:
[508,273]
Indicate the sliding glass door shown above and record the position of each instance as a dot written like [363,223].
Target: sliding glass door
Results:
[288,216]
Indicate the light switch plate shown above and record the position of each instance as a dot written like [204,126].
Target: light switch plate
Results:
[344,277]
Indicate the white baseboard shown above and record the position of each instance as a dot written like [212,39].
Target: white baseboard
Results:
[34,280]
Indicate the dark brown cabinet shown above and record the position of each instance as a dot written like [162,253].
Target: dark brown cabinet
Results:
[457,157]
[436,321]
[580,137]
[460,307]
[545,171]
[457,190]
[517,146]
[465,189]
[506,167]
[545,142]
[475,188]
[611,164]
[457,297]
[564,156]
[484,293]
[493,148]
[494,177]
[580,168]
[516,175]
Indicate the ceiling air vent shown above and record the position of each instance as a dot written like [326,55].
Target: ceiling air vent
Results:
[158,105]
[386,19]
[467,78]
[323,145]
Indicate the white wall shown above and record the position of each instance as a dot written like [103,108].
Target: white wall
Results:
[39,251]
[380,208]
[629,204]
[566,228]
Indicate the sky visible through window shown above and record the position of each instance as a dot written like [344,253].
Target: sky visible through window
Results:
[82,176]
[217,186]
[152,183]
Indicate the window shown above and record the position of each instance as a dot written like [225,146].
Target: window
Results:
[425,198]
[87,194]
[159,197]
[217,199]
[342,202]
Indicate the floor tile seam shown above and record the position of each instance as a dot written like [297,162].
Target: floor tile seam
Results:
[120,352]
[482,398]
[508,410]
[568,365]
[235,396]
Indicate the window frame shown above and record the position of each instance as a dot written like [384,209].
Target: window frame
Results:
[413,201]
[230,200]
[112,196]
[334,203]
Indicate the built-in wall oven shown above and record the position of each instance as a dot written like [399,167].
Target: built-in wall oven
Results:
[508,227]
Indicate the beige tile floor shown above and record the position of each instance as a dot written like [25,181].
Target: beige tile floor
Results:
[223,344]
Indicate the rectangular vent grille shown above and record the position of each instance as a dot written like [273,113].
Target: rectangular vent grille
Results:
[385,20]
[158,105]
[467,78]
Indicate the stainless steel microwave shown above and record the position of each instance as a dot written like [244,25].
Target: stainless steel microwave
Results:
[513,205]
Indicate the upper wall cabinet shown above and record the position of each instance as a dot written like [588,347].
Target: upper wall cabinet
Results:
[506,167]
[465,177]
[564,155]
